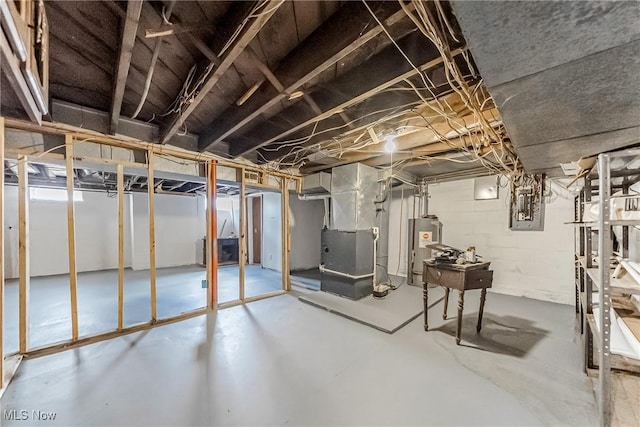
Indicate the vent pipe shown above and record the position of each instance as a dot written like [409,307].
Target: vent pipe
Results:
[423,199]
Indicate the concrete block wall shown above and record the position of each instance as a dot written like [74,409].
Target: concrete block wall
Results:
[535,264]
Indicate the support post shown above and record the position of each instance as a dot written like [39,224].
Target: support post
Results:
[120,170]
[212,237]
[71,237]
[243,233]
[152,238]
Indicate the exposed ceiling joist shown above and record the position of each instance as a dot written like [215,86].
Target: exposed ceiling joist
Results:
[335,39]
[275,82]
[379,110]
[204,49]
[134,7]
[430,148]
[252,29]
[360,84]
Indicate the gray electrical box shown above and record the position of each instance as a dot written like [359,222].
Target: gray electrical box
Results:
[526,212]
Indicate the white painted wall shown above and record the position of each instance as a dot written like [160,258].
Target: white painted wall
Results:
[306,218]
[535,264]
[271,231]
[180,224]
[400,210]
[96,234]
[250,228]
[228,208]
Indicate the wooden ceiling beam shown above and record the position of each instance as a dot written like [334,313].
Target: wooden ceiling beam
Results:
[428,137]
[134,7]
[430,148]
[204,49]
[350,89]
[350,28]
[251,30]
[374,112]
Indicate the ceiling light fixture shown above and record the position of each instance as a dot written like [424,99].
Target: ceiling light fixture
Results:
[390,144]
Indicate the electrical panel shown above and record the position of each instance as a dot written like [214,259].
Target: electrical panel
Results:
[527,203]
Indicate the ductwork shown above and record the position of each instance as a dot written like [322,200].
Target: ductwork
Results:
[316,184]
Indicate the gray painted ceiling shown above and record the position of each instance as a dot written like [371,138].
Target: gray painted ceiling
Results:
[565,75]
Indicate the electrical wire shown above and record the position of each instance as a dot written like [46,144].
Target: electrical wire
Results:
[166,14]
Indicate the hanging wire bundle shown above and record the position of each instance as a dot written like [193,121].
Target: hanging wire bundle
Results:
[484,141]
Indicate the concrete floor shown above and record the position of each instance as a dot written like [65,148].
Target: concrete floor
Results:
[179,289]
[282,362]
[257,281]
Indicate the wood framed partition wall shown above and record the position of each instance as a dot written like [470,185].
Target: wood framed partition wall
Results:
[73,136]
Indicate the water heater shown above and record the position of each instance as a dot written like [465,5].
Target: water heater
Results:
[423,232]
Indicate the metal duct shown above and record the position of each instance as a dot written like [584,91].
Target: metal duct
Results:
[423,199]
[353,191]
[318,183]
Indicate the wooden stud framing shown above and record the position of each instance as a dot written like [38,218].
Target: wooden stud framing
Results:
[52,128]
[285,235]
[71,133]
[71,238]
[2,255]
[120,170]
[152,239]
[212,237]
[24,274]
[243,234]
[92,339]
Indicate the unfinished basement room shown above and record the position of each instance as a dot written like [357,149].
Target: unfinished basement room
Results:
[319,213]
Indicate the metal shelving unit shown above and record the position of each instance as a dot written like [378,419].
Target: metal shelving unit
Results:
[593,281]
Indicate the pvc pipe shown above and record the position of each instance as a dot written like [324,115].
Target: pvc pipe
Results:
[339,273]
[376,233]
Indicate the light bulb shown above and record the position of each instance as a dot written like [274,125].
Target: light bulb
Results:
[390,144]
